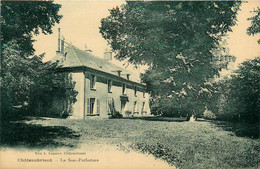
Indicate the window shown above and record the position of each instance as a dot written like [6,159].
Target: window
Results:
[93,106]
[135,91]
[109,86]
[143,94]
[119,73]
[128,76]
[135,108]
[110,106]
[143,110]
[123,89]
[92,81]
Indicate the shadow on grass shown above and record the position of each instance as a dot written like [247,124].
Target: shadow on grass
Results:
[18,133]
[240,129]
[158,118]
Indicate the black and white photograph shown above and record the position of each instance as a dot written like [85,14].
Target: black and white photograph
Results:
[117,84]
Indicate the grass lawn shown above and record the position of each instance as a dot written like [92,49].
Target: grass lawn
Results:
[199,144]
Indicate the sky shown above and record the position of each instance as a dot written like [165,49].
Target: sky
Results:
[240,44]
[79,25]
[82,19]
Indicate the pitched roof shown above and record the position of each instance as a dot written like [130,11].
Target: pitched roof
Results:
[75,57]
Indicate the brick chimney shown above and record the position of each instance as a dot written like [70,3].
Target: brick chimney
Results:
[108,55]
[58,50]
[62,45]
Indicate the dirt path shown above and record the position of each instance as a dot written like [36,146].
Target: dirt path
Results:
[107,157]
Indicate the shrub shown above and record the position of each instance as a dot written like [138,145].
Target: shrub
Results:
[207,114]
[116,115]
[128,113]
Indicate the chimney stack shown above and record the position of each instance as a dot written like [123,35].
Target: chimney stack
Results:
[58,51]
[62,45]
[108,55]
[86,49]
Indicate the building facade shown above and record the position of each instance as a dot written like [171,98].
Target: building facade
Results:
[103,88]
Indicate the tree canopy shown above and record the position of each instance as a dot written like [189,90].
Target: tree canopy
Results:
[177,40]
[26,81]
[21,19]
[239,96]
[255,23]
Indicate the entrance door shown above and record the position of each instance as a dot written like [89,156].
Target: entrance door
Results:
[123,103]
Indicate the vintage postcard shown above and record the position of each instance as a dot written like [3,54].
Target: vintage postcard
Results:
[129,84]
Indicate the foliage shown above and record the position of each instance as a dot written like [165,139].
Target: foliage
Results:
[113,112]
[116,115]
[26,81]
[239,98]
[16,78]
[177,41]
[255,23]
[209,115]
[21,19]
[128,113]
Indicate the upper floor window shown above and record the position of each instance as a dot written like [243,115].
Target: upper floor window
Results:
[109,86]
[92,81]
[119,73]
[135,91]
[128,76]
[123,89]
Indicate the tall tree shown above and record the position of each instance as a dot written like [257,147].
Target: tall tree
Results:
[239,99]
[25,79]
[21,19]
[176,40]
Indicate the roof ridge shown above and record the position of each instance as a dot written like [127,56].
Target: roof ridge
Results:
[119,67]
[96,62]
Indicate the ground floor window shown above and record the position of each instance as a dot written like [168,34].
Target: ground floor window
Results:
[93,106]
[135,110]
[110,106]
[123,105]
[143,109]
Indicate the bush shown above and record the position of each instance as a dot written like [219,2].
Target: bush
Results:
[207,114]
[29,86]
[116,115]
[128,113]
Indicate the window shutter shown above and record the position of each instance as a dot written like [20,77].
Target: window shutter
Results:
[98,106]
[88,105]
[107,106]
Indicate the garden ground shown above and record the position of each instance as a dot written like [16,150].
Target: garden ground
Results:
[199,144]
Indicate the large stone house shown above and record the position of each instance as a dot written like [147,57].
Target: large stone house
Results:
[102,86]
